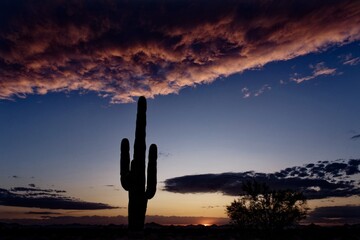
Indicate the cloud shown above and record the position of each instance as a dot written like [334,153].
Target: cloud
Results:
[320,180]
[348,59]
[247,93]
[121,50]
[38,191]
[114,187]
[355,137]
[43,213]
[260,91]
[164,154]
[211,207]
[33,189]
[348,214]
[319,70]
[45,198]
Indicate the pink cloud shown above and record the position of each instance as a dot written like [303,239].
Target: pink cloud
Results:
[348,59]
[319,70]
[122,51]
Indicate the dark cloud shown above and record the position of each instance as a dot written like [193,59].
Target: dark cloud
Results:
[335,215]
[211,207]
[122,49]
[164,154]
[45,198]
[355,137]
[31,185]
[26,189]
[319,180]
[43,213]
[113,187]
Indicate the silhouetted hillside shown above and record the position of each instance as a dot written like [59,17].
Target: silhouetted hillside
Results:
[156,231]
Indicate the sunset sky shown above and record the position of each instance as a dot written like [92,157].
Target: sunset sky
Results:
[236,90]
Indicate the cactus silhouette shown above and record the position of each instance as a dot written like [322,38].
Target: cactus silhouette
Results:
[132,176]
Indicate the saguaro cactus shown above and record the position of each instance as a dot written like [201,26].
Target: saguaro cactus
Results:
[133,177]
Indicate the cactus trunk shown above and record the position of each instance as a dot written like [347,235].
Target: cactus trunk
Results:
[132,176]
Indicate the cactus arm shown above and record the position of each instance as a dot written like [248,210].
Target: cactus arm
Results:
[151,172]
[124,164]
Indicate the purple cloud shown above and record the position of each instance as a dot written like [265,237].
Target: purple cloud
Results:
[120,50]
[45,198]
[319,70]
[319,180]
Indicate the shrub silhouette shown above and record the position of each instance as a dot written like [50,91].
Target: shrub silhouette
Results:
[262,208]
[132,176]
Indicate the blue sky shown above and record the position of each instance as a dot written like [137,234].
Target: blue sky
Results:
[200,127]
[289,108]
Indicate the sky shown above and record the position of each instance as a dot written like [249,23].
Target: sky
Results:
[236,90]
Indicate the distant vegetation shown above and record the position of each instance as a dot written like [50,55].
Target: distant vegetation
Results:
[263,208]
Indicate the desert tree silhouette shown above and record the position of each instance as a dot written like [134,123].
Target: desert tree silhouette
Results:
[263,208]
[132,176]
